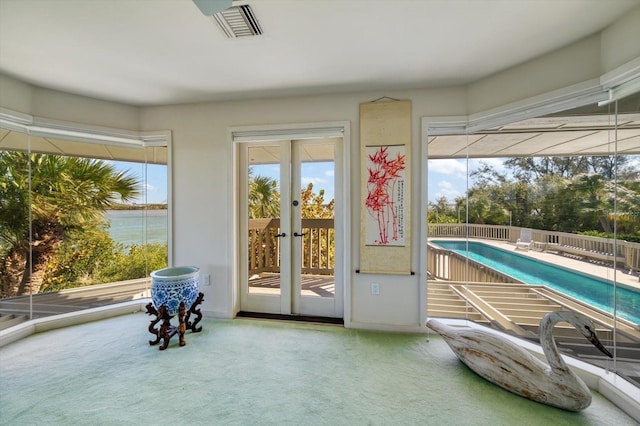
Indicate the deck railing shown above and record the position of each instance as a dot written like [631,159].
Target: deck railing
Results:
[318,246]
[15,310]
[448,265]
[626,255]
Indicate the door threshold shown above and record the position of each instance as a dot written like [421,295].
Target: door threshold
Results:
[282,317]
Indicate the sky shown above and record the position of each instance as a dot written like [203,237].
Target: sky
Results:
[321,174]
[447,177]
[156,184]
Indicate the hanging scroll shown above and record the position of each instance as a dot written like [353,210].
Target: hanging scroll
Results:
[385,142]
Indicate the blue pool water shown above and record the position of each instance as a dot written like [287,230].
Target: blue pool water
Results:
[592,290]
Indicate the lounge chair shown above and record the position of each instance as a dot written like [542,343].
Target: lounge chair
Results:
[524,242]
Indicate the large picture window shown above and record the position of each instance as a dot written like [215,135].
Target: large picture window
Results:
[541,215]
[82,222]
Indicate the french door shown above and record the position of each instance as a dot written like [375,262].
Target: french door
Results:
[288,241]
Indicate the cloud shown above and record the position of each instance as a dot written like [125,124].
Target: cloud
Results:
[634,161]
[458,167]
[448,167]
[447,189]
[315,181]
[496,163]
[445,185]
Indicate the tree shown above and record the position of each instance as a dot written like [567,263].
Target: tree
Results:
[533,168]
[313,205]
[566,194]
[42,197]
[442,211]
[264,198]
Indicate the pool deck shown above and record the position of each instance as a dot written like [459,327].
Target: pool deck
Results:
[596,269]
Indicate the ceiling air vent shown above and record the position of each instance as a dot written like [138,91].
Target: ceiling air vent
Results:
[238,21]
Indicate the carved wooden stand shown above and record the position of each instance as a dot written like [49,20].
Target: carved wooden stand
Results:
[167,330]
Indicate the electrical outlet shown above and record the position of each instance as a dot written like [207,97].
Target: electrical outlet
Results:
[206,279]
[375,289]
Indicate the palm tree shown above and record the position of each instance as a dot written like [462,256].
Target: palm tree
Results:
[264,198]
[44,196]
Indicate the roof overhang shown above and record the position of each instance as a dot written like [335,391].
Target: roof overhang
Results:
[555,136]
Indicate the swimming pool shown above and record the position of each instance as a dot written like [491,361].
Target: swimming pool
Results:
[595,291]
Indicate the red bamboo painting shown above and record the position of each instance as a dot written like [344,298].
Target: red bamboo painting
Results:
[385,196]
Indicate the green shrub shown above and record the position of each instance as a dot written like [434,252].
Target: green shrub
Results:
[622,237]
[78,259]
[138,262]
[90,257]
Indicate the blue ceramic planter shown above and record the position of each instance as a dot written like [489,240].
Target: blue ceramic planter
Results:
[170,286]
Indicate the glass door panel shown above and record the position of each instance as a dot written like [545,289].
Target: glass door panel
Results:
[264,231]
[313,226]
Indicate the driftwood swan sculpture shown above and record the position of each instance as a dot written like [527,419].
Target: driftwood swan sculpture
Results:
[515,369]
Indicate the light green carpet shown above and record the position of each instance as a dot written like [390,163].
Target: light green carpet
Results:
[242,372]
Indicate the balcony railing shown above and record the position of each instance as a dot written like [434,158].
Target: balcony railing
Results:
[625,255]
[18,309]
[448,265]
[318,246]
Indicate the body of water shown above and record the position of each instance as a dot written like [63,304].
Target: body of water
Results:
[128,226]
[595,291]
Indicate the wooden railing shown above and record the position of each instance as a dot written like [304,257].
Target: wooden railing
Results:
[625,254]
[73,299]
[318,246]
[448,265]
[461,230]
[264,246]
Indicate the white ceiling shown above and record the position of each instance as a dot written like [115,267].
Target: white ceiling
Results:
[152,52]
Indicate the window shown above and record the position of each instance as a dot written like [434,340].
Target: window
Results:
[541,215]
[83,219]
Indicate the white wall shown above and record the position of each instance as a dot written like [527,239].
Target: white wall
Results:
[202,188]
[202,158]
[15,95]
[584,60]
[63,106]
[50,104]
[620,43]
[556,70]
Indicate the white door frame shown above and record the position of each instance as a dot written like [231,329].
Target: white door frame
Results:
[276,132]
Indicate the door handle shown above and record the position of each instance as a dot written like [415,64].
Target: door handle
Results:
[281,235]
[295,234]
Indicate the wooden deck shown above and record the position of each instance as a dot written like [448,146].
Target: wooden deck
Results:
[15,310]
[312,285]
